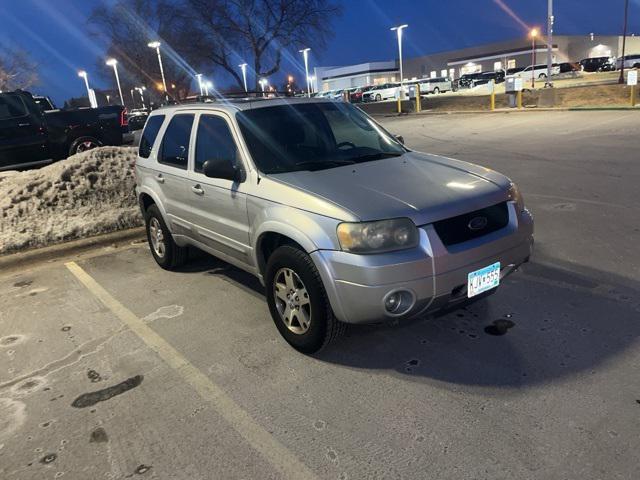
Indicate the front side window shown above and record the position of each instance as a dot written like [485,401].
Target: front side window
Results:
[175,144]
[313,136]
[214,141]
[149,135]
[12,106]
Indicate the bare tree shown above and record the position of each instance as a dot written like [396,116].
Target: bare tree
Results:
[220,31]
[128,26]
[17,70]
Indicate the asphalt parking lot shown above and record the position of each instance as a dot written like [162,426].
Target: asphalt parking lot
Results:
[113,368]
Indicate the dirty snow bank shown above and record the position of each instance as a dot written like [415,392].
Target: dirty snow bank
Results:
[86,194]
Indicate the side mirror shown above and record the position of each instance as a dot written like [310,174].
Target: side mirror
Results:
[221,168]
[400,138]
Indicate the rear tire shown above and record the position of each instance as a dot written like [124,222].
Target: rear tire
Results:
[378,97]
[436,91]
[542,76]
[165,251]
[292,280]
[83,144]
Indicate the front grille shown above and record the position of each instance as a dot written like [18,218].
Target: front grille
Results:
[457,230]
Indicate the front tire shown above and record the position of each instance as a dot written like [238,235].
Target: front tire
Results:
[378,97]
[298,301]
[165,251]
[436,91]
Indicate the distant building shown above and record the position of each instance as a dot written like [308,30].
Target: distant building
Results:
[516,53]
[483,58]
[372,73]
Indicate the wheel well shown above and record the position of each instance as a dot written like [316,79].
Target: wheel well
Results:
[145,201]
[268,243]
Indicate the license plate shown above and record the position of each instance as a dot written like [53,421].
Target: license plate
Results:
[482,280]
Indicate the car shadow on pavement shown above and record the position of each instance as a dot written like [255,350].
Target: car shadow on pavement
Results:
[544,323]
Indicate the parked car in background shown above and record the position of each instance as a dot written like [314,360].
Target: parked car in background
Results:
[598,64]
[539,72]
[513,71]
[137,118]
[32,136]
[338,220]
[486,77]
[468,80]
[630,61]
[435,85]
[386,91]
[568,67]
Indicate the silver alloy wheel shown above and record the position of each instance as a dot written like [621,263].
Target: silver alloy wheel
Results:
[86,145]
[157,237]
[292,301]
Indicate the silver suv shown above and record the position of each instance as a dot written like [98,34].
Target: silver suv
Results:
[338,219]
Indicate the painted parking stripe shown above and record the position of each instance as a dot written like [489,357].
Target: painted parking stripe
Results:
[261,440]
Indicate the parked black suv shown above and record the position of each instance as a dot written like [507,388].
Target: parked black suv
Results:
[597,64]
[30,134]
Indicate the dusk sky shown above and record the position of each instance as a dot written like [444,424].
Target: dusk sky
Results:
[55,32]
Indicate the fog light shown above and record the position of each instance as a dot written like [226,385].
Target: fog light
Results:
[398,302]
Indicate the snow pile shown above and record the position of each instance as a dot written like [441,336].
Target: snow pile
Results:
[86,194]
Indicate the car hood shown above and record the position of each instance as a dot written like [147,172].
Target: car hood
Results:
[423,187]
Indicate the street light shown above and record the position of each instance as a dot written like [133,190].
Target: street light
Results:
[550,21]
[112,62]
[92,102]
[199,77]
[534,33]
[305,54]
[243,66]
[207,85]
[312,80]
[624,41]
[263,83]
[399,29]
[140,90]
[156,45]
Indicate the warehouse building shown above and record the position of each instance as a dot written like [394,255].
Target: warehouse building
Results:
[484,58]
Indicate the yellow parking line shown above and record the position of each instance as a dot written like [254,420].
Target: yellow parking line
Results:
[261,440]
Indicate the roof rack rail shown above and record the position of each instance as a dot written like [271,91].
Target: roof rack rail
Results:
[241,96]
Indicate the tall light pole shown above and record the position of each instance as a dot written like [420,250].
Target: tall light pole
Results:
[207,85]
[305,54]
[550,21]
[624,40]
[90,94]
[199,77]
[112,62]
[533,34]
[156,45]
[399,29]
[243,67]
[263,82]
[140,90]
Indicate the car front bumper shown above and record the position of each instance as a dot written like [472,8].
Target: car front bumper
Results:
[434,275]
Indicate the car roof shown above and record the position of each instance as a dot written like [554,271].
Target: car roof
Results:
[238,105]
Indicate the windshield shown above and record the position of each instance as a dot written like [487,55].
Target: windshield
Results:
[313,136]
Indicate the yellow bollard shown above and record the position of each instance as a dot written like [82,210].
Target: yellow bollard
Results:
[418,99]
[520,99]
[633,95]
[493,101]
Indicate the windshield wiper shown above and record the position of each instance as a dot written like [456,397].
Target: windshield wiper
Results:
[323,163]
[374,156]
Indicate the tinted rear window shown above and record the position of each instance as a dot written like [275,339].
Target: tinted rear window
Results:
[12,106]
[149,135]
[175,144]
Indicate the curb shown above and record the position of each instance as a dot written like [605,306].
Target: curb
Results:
[74,247]
[509,110]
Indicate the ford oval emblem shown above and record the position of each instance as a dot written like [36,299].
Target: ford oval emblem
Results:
[477,223]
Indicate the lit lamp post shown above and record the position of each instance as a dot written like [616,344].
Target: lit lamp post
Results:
[199,77]
[156,45]
[83,74]
[550,21]
[312,80]
[399,29]
[243,67]
[305,54]
[263,83]
[112,62]
[533,34]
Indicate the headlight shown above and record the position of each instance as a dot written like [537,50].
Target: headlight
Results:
[516,196]
[377,237]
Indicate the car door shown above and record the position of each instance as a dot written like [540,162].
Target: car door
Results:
[23,139]
[170,171]
[218,206]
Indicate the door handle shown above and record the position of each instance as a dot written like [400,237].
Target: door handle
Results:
[24,124]
[197,189]
[160,178]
